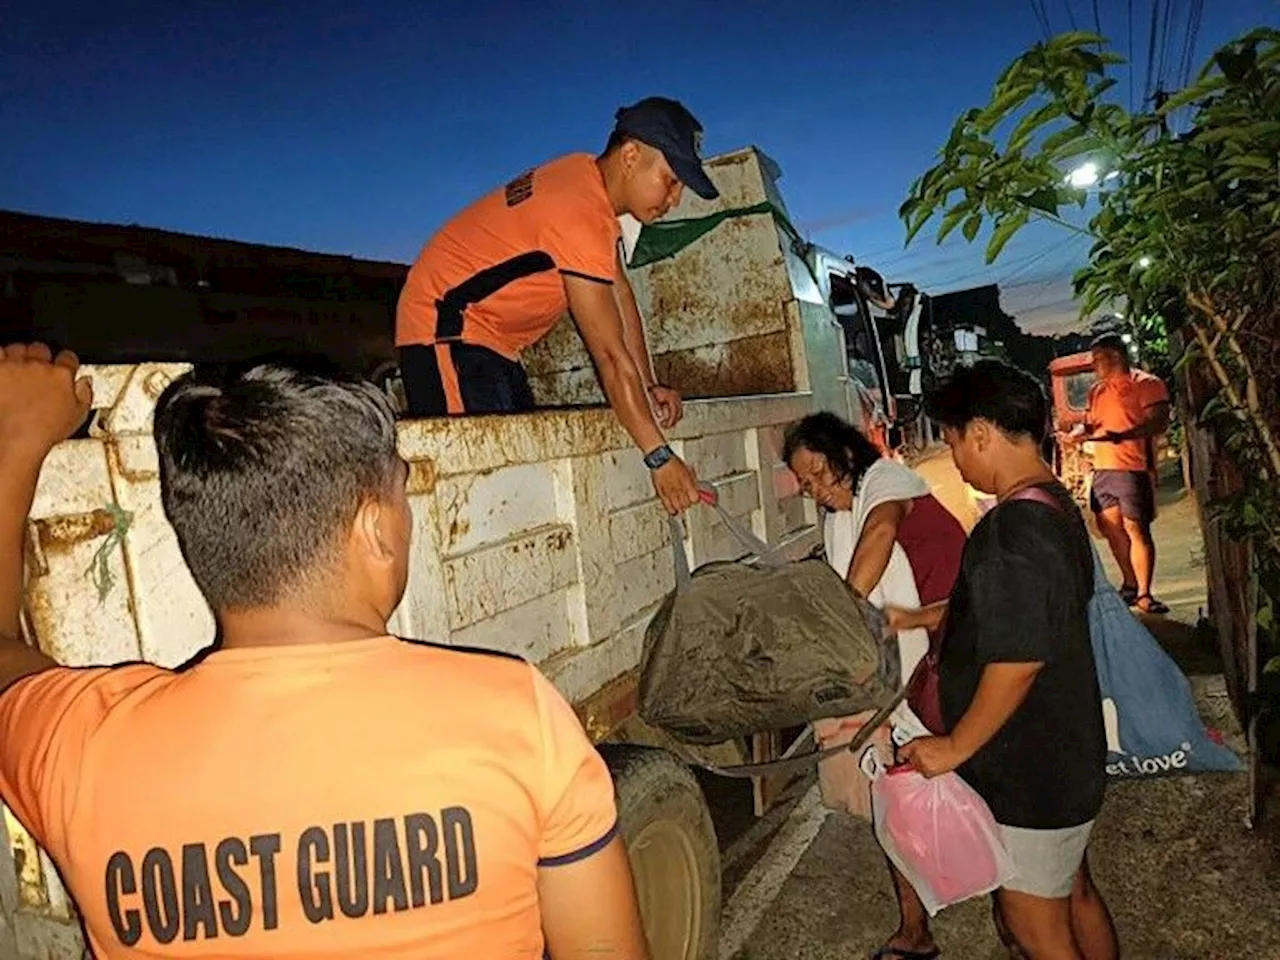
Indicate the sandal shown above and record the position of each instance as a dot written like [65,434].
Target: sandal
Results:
[902,953]
[1153,606]
[1129,594]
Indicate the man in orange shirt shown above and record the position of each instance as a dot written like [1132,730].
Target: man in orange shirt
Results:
[1128,410]
[313,787]
[498,277]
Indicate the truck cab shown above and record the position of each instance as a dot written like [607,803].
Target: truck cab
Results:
[1071,378]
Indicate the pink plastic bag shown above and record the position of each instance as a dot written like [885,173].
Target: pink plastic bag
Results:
[843,783]
[939,834]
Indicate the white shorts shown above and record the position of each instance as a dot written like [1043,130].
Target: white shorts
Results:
[1047,861]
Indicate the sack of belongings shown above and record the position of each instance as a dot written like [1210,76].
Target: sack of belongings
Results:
[761,644]
[1149,712]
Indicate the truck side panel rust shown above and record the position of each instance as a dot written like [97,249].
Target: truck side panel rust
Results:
[717,312]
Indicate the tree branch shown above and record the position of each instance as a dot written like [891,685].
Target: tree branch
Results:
[1248,403]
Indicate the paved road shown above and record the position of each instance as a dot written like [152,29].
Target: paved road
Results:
[1185,878]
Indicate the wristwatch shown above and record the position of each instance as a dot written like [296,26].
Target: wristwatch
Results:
[658,457]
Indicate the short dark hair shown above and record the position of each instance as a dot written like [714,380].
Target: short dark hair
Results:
[616,139]
[993,391]
[263,470]
[1111,342]
[846,449]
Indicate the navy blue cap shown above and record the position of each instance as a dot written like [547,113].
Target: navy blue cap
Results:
[667,126]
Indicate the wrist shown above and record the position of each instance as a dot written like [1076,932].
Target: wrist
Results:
[659,457]
[959,749]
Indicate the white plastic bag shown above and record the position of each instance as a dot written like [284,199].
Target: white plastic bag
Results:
[938,832]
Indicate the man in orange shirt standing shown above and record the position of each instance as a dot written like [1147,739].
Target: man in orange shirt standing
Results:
[1128,410]
[313,787]
[498,277]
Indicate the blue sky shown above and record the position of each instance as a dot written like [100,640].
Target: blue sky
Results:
[330,126]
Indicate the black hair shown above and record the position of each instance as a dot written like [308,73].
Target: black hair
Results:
[846,449]
[616,141]
[993,391]
[262,471]
[1112,343]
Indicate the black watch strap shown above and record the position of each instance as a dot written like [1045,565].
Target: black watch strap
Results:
[658,457]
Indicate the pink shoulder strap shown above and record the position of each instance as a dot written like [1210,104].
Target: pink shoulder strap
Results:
[1038,494]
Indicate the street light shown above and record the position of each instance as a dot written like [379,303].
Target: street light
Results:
[1084,176]
[1088,174]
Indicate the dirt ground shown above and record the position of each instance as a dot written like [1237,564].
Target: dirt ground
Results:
[1184,876]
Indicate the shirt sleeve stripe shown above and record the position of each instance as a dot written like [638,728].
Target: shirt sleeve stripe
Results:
[582,853]
[587,276]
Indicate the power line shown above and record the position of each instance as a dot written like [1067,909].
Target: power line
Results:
[1151,51]
[1042,17]
[1166,35]
[1097,19]
[1012,269]
[1071,16]
[1130,56]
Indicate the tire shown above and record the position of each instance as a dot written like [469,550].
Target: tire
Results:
[675,858]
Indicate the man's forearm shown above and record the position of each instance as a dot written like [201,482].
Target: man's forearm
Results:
[1150,428]
[19,472]
[633,332]
[629,399]
[1000,692]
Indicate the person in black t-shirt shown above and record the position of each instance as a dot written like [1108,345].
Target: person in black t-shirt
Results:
[1017,680]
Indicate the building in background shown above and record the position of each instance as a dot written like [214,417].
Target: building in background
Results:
[127,294]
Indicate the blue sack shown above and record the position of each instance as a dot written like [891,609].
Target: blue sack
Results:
[1153,727]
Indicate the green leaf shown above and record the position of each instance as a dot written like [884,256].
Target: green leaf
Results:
[1236,64]
[1189,95]
[972,226]
[914,226]
[1254,162]
[1074,39]
[1005,229]
[1045,200]
[1033,121]
[1266,619]
[952,220]
[1000,108]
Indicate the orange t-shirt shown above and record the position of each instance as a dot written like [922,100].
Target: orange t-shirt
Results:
[377,798]
[500,262]
[1119,404]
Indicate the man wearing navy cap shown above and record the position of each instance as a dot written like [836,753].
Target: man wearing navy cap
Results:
[498,276]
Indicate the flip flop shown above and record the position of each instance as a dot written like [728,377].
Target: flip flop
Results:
[901,953]
[1156,608]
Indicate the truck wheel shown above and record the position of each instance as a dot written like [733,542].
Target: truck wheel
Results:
[671,841]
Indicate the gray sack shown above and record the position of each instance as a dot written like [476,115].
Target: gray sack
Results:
[745,647]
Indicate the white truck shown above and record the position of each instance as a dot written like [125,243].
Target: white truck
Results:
[536,534]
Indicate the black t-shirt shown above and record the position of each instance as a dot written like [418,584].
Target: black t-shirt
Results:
[1026,578]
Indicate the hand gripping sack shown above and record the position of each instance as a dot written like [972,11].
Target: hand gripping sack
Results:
[743,647]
